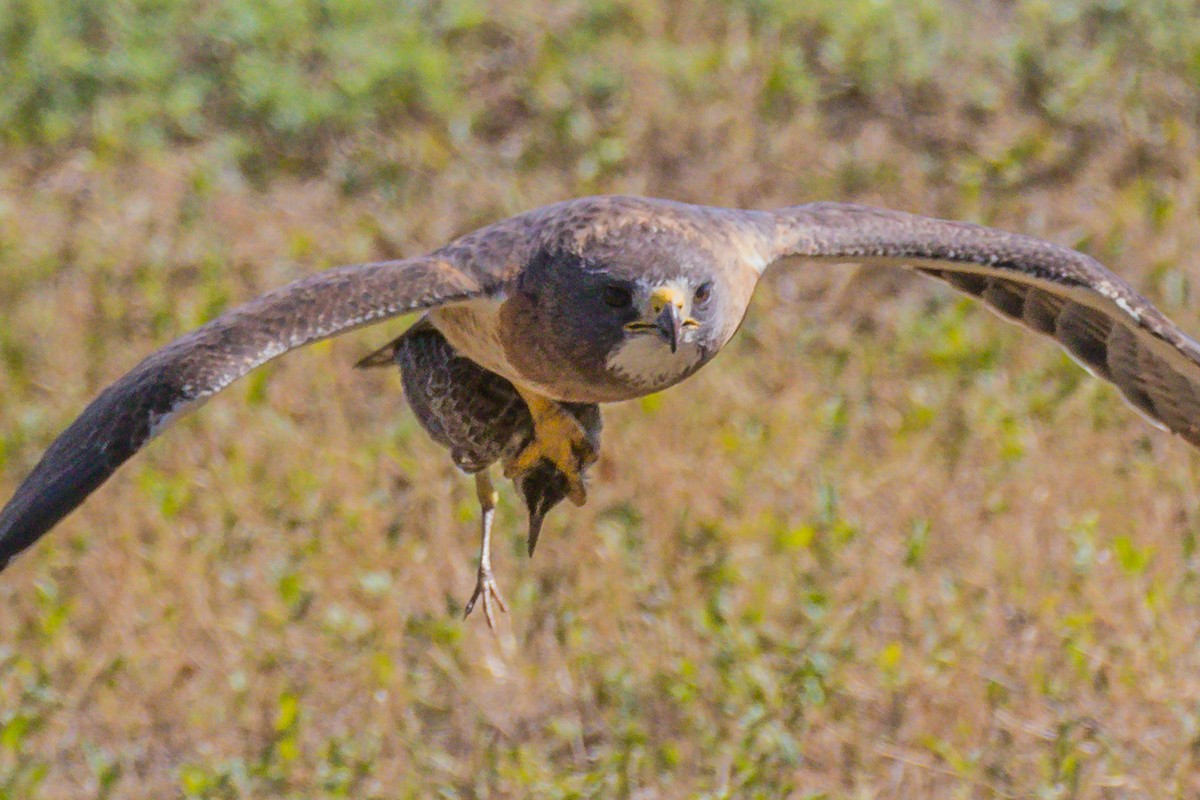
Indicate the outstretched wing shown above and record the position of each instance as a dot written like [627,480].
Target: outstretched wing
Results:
[1098,317]
[196,366]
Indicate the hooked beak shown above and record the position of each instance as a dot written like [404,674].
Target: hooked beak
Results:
[666,303]
[670,322]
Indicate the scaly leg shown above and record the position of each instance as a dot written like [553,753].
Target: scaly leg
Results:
[485,585]
[558,438]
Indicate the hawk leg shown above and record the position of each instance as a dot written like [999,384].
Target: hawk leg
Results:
[485,584]
[559,438]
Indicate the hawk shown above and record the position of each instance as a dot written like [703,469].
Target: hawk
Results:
[533,321]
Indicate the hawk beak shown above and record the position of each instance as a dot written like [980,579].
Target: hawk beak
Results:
[670,318]
[670,323]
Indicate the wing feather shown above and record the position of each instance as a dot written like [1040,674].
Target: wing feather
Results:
[183,374]
[1094,314]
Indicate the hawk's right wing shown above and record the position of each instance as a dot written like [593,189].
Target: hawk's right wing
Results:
[186,372]
[1066,295]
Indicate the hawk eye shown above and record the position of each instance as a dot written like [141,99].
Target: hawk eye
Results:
[617,296]
[703,293]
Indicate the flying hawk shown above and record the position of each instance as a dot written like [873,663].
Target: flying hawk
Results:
[534,320]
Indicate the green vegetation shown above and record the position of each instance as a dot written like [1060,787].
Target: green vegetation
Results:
[887,546]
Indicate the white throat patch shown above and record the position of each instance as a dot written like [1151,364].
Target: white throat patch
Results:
[646,361]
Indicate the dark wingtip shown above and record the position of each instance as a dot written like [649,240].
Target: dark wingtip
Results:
[110,430]
[53,490]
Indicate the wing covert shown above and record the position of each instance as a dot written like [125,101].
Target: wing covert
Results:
[1094,314]
[183,374]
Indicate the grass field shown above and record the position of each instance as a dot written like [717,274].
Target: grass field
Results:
[885,546]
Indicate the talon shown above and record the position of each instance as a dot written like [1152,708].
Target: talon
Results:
[560,439]
[486,588]
[485,583]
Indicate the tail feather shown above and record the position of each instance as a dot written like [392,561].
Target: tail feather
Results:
[383,357]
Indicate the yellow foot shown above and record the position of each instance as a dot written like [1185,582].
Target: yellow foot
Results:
[558,438]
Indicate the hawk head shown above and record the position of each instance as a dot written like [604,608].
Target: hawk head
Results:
[626,314]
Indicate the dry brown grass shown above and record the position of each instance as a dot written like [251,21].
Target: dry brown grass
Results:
[885,546]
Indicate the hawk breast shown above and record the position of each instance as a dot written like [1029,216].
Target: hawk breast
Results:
[646,364]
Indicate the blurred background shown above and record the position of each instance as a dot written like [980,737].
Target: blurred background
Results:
[885,546]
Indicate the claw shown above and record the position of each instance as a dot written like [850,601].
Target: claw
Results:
[560,439]
[485,584]
[486,588]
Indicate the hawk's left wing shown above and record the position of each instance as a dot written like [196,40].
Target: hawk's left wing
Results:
[1098,317]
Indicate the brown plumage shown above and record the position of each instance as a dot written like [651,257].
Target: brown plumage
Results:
[477,415]
[608,298]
